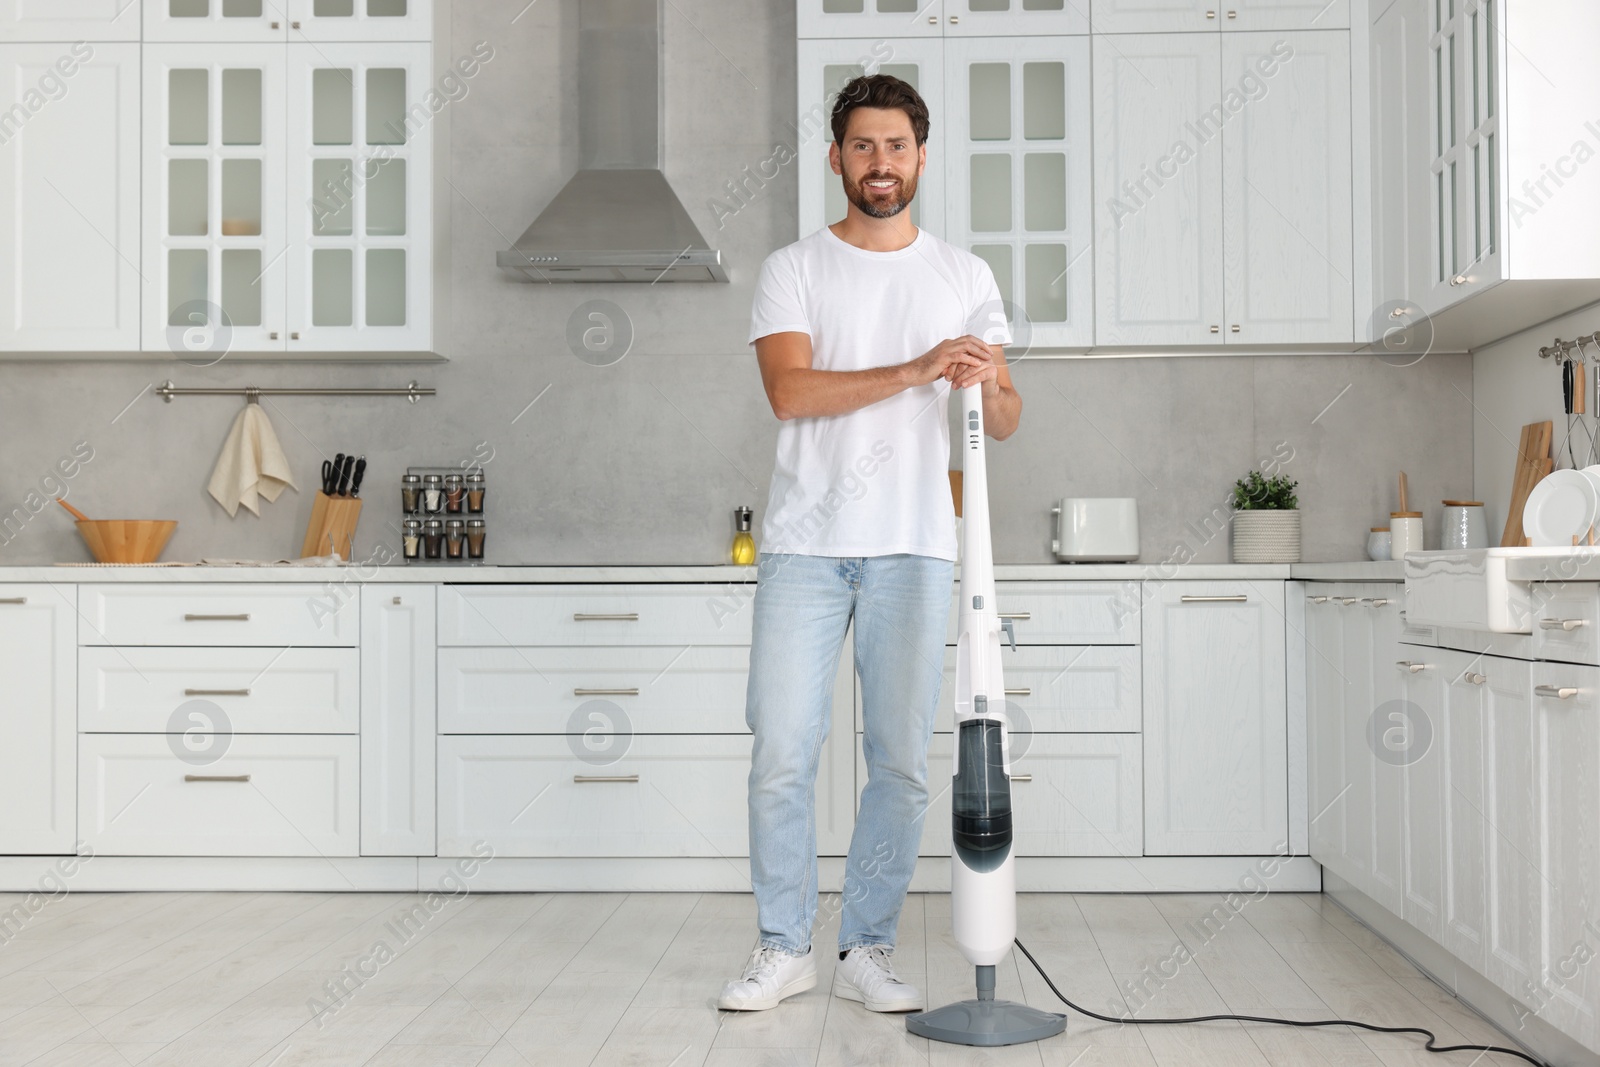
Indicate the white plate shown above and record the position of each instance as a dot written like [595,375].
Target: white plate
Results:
[1564,503]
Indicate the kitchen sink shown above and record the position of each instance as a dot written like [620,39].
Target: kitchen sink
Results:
[1468,587]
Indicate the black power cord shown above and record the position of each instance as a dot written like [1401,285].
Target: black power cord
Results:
[1431,1047]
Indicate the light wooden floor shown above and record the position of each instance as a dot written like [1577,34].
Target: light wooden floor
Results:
[507,980]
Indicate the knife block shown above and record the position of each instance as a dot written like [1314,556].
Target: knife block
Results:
[332,527]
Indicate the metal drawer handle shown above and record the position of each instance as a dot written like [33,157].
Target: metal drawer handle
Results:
[1023,615]
[243,616]
[1560,692]
[1475,678]
[1022,777]
[1025,691]
[1377,602]
[1412,667]
[619,616]
[1316,599]
[630,692]
[217,692]
[582,778]
[1237,598]
[1348,600]
[216,777]
[13,600]
[1562,624]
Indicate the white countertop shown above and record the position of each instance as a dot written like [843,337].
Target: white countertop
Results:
[1363,570]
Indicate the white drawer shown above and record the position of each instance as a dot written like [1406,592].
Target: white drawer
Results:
[300,797]
[257,690]
[207,613]
[678,615]
[1566,622]
[1064,613]
[1059,689]
[1085,797]
[540,690]
[531,796]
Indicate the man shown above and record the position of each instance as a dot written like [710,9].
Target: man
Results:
[862,330]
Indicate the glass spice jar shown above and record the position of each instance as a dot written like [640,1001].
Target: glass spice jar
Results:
[433,538]
[410,493]
[455,536]
[433,493]
[454,495]
[475,532]
[475,491]
[411,538]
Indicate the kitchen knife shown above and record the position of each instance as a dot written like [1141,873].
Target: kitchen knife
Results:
[355,479]
[344,473]
[327,477]
[333,475]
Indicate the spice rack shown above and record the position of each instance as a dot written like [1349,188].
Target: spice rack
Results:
[442,515]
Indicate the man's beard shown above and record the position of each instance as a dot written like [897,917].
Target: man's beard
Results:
[857,194]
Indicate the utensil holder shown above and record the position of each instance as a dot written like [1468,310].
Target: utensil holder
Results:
[332,527]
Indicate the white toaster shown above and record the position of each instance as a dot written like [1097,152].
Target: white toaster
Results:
[1096,529]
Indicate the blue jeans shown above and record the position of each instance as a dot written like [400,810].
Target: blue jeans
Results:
[803,604]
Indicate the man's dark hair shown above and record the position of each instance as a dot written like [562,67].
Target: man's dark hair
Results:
[881,91]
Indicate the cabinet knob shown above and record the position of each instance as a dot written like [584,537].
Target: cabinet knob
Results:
[275,24]
[295,25]
[1233,14]
[1211,14]
[1459,279]
[1317,599]
[1560,692]
[294,335]
[1216,329]
[954,19]
[933,20]
[397,600]
[1378,601]
[273,336]
[1562,624]
[1475,678]
[1405,664]
[1348,600]
[1234,328]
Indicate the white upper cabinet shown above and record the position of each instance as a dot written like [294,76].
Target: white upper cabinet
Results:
[215,242]
[1158,190]
[869,18]
[360,238]
[824,68]
[69,197]
[69,20]
[360,20]
[1191,16]
[1000,18]
[1287,259]
[1401,261]
[1016,143]
[236,21]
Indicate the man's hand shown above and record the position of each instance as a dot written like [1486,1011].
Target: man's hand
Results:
[946,359]
[986,371]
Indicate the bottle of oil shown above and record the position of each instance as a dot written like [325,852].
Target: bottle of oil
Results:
[743,552]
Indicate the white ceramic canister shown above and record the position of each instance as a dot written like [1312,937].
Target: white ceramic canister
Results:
[1463,525]
[1378,543]
[1405,533]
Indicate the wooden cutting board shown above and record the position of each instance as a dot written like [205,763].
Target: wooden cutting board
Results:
[1533,463]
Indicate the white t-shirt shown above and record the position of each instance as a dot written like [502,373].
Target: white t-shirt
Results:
[874,481]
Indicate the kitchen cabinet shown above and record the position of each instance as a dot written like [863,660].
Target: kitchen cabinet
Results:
[69,197]
[1215,721]
[825,66]
[938,18]
[399,721]
[1202,16]
[360,20]
[1017,164]
[214,200]
[1223,165]
[215,21]
[38,732]
[1472,683]
[70,20]
[1411,734]
[1516,840]
[359,139]
[248,21]
[1489,174]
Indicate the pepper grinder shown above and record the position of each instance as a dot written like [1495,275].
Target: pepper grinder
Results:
[743,553]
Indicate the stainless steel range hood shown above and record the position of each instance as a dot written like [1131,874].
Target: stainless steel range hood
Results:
[617,219]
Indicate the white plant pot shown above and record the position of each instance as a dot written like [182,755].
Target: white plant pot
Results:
[1266,536]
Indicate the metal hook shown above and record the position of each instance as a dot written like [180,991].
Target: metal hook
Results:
[252,394]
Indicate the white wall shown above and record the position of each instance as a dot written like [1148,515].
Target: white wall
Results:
[1512,386]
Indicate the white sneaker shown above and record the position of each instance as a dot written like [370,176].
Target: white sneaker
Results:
[770,976]
[865,974]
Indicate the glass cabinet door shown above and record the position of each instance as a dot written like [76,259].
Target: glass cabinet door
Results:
[215,243]
[1466,145]
[215,20]
[824,68]
[1018,170]
[869,18]
[360,257]
[998,18]
[360,20]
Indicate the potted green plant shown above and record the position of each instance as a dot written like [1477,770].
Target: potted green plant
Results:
[1266,519]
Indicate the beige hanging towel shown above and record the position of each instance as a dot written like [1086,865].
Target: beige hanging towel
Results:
[252,464]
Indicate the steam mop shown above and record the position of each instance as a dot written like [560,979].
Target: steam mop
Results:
[983,880]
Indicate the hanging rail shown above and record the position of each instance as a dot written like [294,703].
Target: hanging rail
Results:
[167,390]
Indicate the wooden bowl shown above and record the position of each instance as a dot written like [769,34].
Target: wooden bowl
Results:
[126,540]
